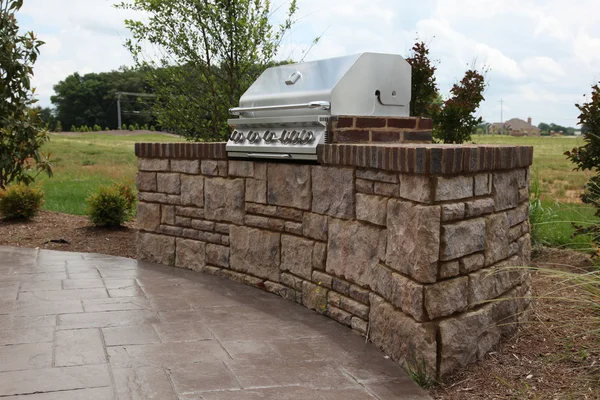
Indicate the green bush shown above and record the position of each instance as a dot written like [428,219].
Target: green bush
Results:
[131,127]
[20,201]
[106,129]
[152,128]
[111,206]
[58,127]
[73,128]
[124,127]
[97,128]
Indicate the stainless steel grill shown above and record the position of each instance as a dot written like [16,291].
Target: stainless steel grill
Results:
[286,112]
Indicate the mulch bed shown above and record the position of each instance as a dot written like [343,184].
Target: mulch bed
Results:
[551,358]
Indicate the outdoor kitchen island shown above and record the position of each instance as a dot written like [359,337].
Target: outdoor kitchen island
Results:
[407,244]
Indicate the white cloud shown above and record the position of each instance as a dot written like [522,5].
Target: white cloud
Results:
[543,54]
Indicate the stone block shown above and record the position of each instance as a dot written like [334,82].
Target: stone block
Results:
[352,306]
[524,250]
[339,315]
[322,279]
[416,188]
[471,263]
[296,255]
[148,216]
[168,183]
[523,195]
[314,297]
[359,325]
[353,249]
[496,238]
[381,281]
[399,336]
[359,294]
[364,186]
[184,222]
[408,296]
[289,185]
[518,215]
[185,166]
[260,171]
[203,225]
[191,212]
[451,212]
[190,254]
[489,283]
[255,251]
[243,169]
[256,191]
[458,187]
[224,200]
[505,190]
[386,189]
[156,248]
[467,338]
[377,175]
[372,209]
[222,228]
[293,227]
[146,181]
[213,168]
[449,269]
[341,286]
[462,238]
[174,199]
[523,177]
[152,197]
[413,239]
[167,215]
[479,207]
[333,191]
[257,221]
[171,230]
[319,256]
[482,185]
[192,190]
[315,226]
[153,164]
[217,255]
[289,213]
[291,281]
[447,297]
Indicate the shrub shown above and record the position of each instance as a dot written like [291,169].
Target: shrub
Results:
[58,127]
[73,128]
[106,129]
[111,206]
[20,201]
[131,127]
[152,128]
[97,128]
[124,127]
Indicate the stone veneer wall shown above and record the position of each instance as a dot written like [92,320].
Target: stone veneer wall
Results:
[406,244]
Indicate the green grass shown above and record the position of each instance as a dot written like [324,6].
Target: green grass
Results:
[84,162]
[557,178]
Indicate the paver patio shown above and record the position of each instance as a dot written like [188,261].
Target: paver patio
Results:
[89,326]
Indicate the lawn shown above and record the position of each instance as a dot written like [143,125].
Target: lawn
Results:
[84,162]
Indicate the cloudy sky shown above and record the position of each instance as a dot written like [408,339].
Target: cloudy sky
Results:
[543,55]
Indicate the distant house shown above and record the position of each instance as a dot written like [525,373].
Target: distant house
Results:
[515,127]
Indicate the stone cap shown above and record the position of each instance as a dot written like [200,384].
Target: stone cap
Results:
[429,159]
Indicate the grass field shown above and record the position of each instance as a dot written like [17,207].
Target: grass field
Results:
[84,162]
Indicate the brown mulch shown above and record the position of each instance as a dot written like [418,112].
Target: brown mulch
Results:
[552,357]
[65,232]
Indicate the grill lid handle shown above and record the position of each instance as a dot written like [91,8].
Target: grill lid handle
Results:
[320,105]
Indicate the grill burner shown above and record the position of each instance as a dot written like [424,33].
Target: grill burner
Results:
[287,111]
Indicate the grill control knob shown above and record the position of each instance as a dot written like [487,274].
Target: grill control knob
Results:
[253,137]
[294,136]
[285,137]
[269,137]
[306,137]
[237,137]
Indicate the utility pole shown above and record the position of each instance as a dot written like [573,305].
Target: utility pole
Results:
[119,94]
[501,115]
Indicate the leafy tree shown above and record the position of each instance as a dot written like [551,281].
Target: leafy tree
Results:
[58,127]
[424,90]
[20,134]
[211,52]
[587,157]
[453,119]
[90,99]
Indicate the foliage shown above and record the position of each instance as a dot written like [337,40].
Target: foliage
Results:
[111,206]
[424,90]
[20,201]
[90,99]
[210,53]
[417,371]
[453,119]
[20,134]
[58,127]
[547,128]
[587,157]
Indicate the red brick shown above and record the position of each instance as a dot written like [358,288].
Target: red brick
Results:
[351,136]
[385,136]
[402,123]
[345,122]
[425,123]
[417,136]
[367,122]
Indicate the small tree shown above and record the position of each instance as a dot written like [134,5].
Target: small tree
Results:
[587,157]
[210,53]
[20,134]
[58,127]
[453,119]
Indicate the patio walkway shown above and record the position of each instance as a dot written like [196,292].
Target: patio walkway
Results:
[89,326]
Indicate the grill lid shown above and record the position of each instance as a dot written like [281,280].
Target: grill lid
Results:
[366,84]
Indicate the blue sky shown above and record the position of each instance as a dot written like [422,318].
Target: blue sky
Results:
[543,55]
